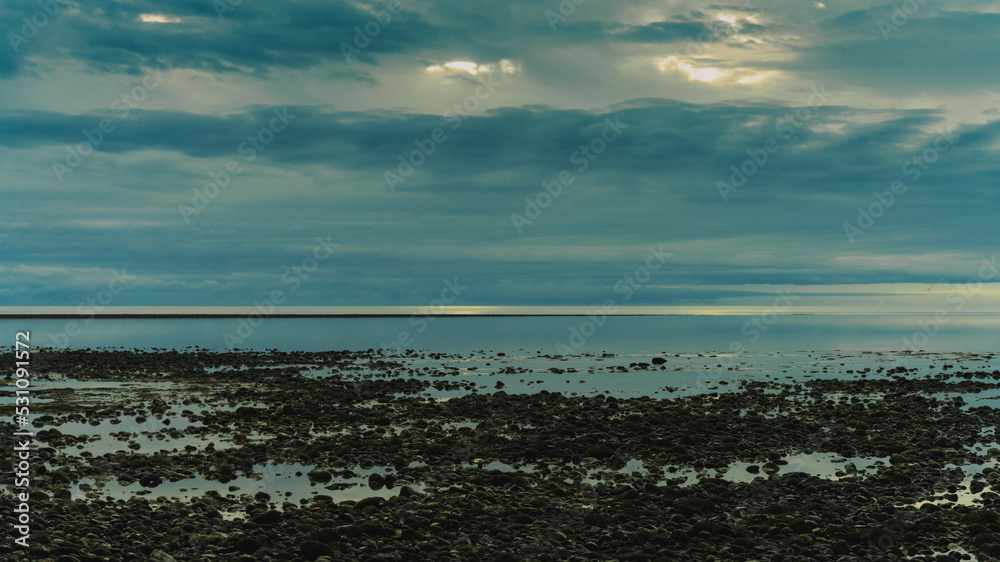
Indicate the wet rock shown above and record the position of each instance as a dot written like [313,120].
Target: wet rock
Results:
[694,505]
[319,475]
[248,545]
[311,550]
[545,511]
[597,519]
[270,517]
[373,501]
[150,480]
[408,492]
[599,450]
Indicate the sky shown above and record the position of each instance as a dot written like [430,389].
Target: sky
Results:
[401,153]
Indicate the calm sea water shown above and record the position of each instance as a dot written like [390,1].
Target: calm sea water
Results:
[697,350]
[545,334]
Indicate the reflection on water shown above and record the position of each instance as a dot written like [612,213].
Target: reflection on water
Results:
[282,482]
[617,334]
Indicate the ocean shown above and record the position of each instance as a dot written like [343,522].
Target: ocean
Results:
[546,334]
[745,407]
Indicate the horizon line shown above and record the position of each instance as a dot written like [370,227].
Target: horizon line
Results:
[173,311]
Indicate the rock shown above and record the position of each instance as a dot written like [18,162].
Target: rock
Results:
[311,550]
[597,519]
[753,469]
[801,526]
[376,481]
[369,502]
[160,556]
[694,505]
[319,475]
[269,517]
[248,545]
[150,481]
[770,468]
[599,450]
[408,492]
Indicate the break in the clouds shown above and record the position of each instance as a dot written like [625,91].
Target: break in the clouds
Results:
[536,153]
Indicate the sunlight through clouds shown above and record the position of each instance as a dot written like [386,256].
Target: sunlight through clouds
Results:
[716,76]
[615,127]
[704,74]
[503,65]
[753,79]
[159,18]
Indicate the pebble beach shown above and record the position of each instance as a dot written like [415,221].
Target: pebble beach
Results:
[359,455]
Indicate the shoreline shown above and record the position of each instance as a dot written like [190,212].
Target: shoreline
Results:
[299,455]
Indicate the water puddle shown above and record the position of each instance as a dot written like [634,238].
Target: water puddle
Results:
[282,482]
[829,466]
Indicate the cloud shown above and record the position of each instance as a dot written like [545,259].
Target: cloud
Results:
[656,184]
[931,51]
[696,96]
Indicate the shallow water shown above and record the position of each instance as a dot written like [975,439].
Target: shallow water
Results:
[616,334]
[520,357]
[283,482]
